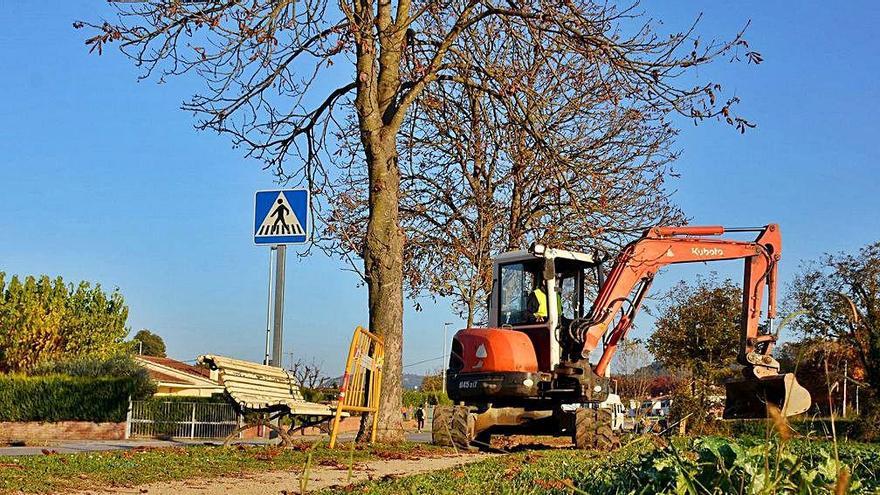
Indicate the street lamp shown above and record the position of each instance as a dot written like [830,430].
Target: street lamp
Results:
[445,357]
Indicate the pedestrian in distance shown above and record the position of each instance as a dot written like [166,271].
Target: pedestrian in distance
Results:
[420,418]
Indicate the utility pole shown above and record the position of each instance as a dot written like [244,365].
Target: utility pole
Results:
[445,357]
[278,324]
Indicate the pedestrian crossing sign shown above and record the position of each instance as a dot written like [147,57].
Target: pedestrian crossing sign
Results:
[281,217]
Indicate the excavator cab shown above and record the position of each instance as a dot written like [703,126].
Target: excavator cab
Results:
[518,274]
[567,282]
[514,357]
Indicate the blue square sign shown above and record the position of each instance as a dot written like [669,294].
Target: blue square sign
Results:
[281,217]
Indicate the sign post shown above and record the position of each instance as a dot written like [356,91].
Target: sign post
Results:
[267,357]
[281,217]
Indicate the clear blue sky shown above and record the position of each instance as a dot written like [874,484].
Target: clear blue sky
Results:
[104,179]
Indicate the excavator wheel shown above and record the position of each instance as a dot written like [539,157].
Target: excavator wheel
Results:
[592,430]
[452,426]
[440,426]
[462,427]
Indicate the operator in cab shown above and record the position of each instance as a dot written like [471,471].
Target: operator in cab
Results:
[537,303]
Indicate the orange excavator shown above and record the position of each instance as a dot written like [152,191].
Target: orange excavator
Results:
[529,370]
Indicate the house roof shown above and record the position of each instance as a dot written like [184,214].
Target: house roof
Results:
[166,378]
[171,372]
[178,365]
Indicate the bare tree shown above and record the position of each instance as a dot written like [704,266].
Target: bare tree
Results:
[308,373]
[633,374]
[530,142]
[632,355]
[282,78]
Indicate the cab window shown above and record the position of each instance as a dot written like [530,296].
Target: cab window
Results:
[568,293]
[517,282]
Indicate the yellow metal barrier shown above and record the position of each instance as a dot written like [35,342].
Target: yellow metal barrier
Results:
[362,380]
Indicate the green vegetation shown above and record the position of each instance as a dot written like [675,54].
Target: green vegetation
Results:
[702,465]
[64,472]
[415,398]
[838,301]
[148,343]
[116,366]
[44,320]
[697,335]
[62,398]
[85,389]
[429,392]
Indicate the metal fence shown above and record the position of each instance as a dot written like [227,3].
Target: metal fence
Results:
[181,419]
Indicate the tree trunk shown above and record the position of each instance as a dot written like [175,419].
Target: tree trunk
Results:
[383,267]
[471,309]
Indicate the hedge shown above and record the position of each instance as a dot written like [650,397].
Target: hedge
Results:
[219,398]
[808,426]
[64,398]
[117,366]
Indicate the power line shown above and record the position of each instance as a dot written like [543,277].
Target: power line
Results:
[423,362]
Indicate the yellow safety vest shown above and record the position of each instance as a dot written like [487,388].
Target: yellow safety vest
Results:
[542,304]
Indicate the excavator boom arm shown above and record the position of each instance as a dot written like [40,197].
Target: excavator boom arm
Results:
[637,264]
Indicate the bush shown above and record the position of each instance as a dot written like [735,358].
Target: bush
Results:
[312,394]
[866,428]
[117,366]
[64,398]
[846,428]
[696,413]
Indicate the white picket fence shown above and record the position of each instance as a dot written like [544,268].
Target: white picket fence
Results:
[150,419]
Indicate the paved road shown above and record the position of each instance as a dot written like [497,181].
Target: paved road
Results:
[75,446]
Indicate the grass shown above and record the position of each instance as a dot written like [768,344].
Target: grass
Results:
[63,472]
[648,465]
[702,465]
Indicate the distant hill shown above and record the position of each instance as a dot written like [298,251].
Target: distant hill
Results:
[410,381]
[653,369]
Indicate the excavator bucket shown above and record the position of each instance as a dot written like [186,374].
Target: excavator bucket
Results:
[750,398]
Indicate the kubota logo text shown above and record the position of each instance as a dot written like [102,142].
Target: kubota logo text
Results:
[707,252]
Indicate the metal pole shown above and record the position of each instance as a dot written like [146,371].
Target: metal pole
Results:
[857,400]
[269,311]
[128,419]
[278,329]
[192,428]
[845,369]
[445,357]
